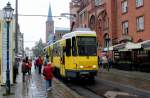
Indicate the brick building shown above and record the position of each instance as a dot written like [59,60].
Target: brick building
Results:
[115,21]
[133,19]
[118,22]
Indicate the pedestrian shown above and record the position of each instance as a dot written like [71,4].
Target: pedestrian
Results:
[39,63]
[110,62]
[48,75]
[101,64]
[24,69]
[30,66]
[105,62]
[15,69]
[46,60]
[27,65]
[35,62]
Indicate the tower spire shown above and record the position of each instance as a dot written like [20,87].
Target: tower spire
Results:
[49,18]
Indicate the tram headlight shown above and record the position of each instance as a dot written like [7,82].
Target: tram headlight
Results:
[94,66]
[81,66]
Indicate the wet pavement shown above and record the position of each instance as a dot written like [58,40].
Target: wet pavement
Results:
[139,80]
[112,84]
[121,84]
[34,87]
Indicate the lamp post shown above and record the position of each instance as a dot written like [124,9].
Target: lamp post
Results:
[8,14]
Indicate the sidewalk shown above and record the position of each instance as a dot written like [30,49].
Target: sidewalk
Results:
[135,79]
[34,87]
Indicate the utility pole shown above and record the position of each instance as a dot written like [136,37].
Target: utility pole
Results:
[16,29]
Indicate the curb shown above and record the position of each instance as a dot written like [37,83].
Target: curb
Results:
[68,89]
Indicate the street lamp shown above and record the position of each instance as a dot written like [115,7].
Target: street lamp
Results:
[8,14]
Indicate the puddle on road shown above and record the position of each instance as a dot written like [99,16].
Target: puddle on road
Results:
[114,94]
[33,86]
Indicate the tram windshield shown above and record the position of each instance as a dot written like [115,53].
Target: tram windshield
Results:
[86,46]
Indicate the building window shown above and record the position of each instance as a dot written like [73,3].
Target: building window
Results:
[124,6]
[99,2]
[92,22]
[140,23]
[106,40]
[139,3]
[125,27]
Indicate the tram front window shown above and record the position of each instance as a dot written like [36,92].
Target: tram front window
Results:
[87,46]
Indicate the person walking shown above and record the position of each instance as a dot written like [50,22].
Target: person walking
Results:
[48,75]
[15,69]
[101,64]
[46,60]
[35,62]
[110,62]
[24,69]
[39,63]
[105,62]
[29,66]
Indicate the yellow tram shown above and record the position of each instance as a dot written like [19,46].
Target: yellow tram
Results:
[75,55]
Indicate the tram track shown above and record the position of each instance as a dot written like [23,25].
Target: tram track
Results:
[81,87]
[103,89]
[84,91]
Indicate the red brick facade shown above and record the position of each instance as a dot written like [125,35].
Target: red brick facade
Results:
[131,16]
[110,19]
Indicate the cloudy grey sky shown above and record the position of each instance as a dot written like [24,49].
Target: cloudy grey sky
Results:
[34,28]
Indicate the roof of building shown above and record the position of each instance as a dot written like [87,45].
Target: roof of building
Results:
[61,29]
[49,18]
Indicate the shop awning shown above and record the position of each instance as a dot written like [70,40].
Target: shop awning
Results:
[145,44]
[131,46]
[119,46]
[108,48]
[126,46]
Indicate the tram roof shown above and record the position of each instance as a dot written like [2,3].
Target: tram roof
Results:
[72,34]
[77,33]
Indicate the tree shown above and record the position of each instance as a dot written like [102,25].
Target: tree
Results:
[38,48]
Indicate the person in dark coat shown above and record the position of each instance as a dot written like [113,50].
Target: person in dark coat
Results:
[15,69]
[24,69]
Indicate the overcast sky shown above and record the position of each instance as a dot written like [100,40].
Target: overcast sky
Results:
[34,28]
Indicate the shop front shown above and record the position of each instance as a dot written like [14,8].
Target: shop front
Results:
[132,56]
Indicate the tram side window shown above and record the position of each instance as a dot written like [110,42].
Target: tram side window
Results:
[68,47]
[74,49]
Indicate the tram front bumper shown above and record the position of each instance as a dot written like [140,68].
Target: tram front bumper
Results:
[81,73]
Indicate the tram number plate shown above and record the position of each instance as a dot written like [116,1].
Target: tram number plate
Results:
[84,72]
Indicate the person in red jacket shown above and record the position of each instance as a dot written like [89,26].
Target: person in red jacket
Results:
[48,75]
[30,66]
[40,63]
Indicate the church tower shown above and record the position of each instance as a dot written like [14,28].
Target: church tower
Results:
[49,27]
